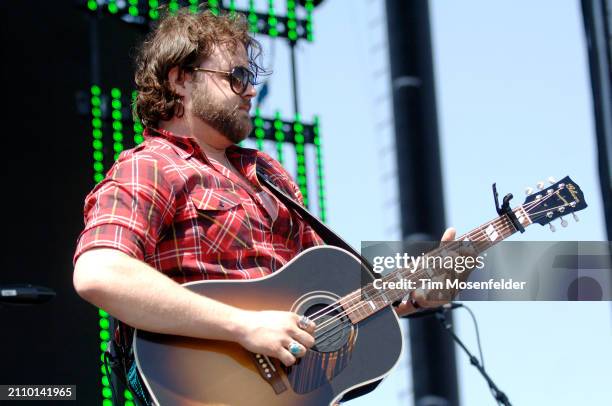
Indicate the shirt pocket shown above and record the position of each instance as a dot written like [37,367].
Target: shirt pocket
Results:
[222,221]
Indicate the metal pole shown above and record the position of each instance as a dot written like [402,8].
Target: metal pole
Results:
[597,30]
[420,184]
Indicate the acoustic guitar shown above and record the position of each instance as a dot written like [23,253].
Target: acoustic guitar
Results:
[358,338]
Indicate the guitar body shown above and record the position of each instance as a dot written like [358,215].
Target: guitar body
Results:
[182,371]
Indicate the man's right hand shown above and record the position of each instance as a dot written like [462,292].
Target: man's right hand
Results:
[272,332]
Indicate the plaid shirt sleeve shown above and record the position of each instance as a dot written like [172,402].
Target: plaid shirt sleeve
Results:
[129,209]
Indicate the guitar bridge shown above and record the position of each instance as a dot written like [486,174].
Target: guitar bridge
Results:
[268,372]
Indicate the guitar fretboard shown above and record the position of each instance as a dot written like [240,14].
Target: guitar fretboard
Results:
[366,301]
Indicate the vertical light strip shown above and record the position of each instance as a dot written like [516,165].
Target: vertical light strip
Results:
[298,130]
[96,124]
[320,181]
[252,17]
[137,125]
[259,130]
[133,8]
[105,336]
[309,7]
[193,6]
[272,20]
[153,13]
[117,122]
[291,21]
[279,136]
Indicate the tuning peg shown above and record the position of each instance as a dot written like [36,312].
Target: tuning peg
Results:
[552,228]
[563,222]
[540,185]
[528,191]
[576,219]
[552,180]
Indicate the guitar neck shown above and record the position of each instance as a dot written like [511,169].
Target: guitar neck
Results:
[368,300]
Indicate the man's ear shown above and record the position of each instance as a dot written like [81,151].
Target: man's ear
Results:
[176,78]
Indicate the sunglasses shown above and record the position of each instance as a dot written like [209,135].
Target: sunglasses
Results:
[239,77]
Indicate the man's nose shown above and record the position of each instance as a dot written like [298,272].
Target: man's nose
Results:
[250,92]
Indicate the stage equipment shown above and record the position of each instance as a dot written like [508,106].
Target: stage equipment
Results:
[420,181]
[25,294]
[597,16]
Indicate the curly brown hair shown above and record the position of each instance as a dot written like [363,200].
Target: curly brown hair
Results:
[183,39]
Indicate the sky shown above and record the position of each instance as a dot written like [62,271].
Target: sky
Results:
[507,73]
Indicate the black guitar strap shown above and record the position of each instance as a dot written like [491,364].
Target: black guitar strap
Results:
[321,229]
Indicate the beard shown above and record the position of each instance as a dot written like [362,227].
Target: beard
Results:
[225,117]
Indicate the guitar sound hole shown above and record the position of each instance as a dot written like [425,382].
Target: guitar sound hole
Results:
[333,328]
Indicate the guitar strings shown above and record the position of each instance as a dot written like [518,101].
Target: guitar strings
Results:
[331,321]
[340,326]
[361,304]
[503,228]
[357,293]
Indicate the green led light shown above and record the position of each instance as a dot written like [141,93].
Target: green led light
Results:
[272,20]
[298,129]
[104,335]
[291,21]
[232,8]
[103,370]
[104,323]
[173,6]
[320,180]
[252,17]
[193,6]
[213,6]
[107,402]
[117,115]
[98,167]
[128,403]
[103,346]
[95,90]
[95,101]
[309,7]
[98,177]
[92,5]
[102,313]
[128,395]
[259,131]
[107,393]
[279,136]
[133,10]
[117,125]
[112,7]
[117,136]
[105,381]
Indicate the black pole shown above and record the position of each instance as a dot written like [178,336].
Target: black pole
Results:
[420,183]
[296,106]
[597,30]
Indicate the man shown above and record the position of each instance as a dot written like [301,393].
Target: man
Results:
[186,204]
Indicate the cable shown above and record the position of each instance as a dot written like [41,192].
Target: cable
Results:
[477,335]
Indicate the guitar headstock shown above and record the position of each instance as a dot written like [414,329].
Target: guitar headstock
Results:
[555,201]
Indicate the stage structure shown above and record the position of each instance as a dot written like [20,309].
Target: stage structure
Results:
[597,16]
[108,105]
[434,371]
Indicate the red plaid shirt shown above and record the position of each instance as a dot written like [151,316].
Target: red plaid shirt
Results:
[168,205]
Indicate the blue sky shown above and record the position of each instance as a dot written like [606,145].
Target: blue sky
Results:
[505,70]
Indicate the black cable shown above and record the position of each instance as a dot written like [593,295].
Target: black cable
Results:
[497,393]
[477,335]
[110,379]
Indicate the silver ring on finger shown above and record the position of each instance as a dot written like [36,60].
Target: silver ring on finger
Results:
[304,322]
[295,348]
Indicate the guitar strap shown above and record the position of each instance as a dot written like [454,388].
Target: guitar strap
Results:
[321,229]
